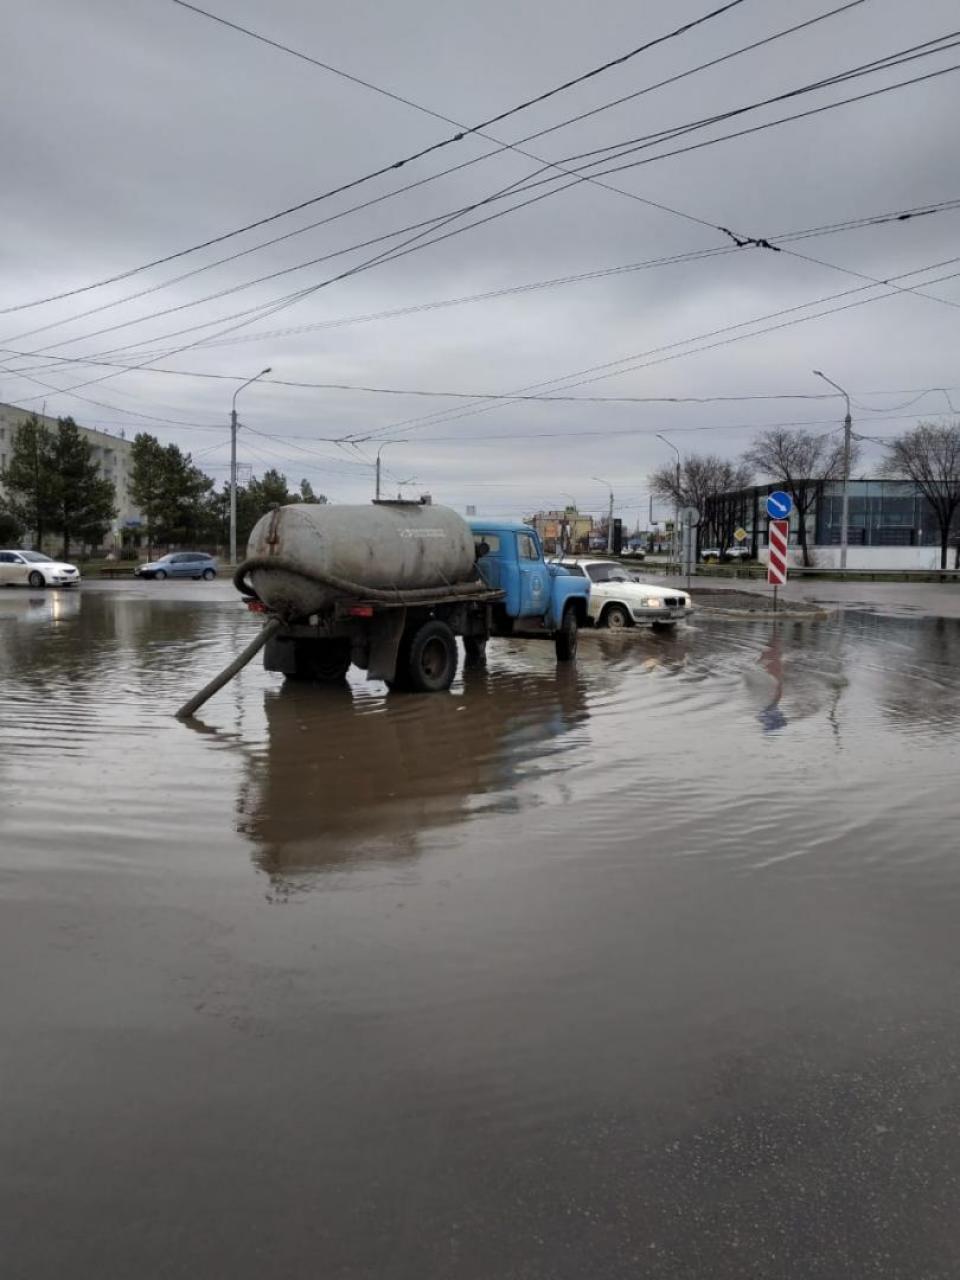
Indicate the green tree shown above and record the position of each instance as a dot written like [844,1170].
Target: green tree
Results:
[307,494]
[30,478]
[83,498]
[170,490]
[10,528]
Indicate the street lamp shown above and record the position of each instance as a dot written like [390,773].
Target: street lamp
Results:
[233,463]
[379,451]
[600,480]
[676,501]
[845,501]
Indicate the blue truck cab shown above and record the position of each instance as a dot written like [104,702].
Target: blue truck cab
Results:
[538,597]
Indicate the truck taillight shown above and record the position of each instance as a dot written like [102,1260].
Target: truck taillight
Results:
[361,611]
[256,606]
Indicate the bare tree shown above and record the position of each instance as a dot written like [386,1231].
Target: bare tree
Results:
[930,456]
[801,463]
[710,484]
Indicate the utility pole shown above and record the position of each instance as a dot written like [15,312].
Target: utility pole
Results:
[609,486]
[676,504]
[379,451]
[847,437]
[233,464]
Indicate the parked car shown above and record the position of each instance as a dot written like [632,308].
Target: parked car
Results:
[618,600]
[179,564]
[33,569]
[634,553]
[731,553]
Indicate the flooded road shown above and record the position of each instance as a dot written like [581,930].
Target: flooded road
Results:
[648,968]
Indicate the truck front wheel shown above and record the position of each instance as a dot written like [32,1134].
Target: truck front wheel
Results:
[427,661]
[323,661]
[566,638]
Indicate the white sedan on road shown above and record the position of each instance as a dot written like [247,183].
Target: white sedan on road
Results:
[618,600]
[33,569]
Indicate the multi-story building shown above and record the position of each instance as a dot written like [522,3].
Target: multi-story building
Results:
[890,524]
[111,453]
[565,530]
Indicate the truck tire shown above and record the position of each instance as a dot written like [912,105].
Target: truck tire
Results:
[616,617]
[322,661]
[475,650]
[427,661]
[566,637]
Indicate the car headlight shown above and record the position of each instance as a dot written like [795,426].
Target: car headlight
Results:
[653,602]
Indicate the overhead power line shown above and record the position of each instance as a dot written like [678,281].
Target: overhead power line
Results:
[500,148]
[667,353]
[521,186]
[416,242]
[618,61]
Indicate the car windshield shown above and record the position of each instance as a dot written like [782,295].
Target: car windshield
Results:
[607,573]
[35,557]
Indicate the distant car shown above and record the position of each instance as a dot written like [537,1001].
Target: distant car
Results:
[179,564]
[634,553]
[618,600]
[731,553]
[33,569]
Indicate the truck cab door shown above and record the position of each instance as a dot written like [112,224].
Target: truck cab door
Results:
[534,577]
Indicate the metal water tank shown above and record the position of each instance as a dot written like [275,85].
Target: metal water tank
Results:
[320,552]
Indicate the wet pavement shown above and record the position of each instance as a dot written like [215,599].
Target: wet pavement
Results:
[647,968]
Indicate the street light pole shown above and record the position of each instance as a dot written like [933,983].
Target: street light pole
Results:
[847,436]
[676,503]
[233,464]
[379,451]
[599,480]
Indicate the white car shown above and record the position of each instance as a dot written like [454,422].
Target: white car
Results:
[618,600]
[33,569]
[731,553]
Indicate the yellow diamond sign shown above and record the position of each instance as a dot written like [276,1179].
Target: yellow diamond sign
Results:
[740,534]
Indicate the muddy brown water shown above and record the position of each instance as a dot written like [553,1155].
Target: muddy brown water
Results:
[648,968]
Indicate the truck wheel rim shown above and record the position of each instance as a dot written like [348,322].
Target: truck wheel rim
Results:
[433,660]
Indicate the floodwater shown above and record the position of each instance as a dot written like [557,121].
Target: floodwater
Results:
[648,968]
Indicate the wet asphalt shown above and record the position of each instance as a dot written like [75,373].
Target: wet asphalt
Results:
[647,968]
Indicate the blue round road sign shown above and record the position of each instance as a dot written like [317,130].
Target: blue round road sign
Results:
[779,505]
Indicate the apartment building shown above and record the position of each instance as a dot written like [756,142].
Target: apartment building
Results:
[111,452]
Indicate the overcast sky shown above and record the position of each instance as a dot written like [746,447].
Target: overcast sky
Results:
[136,129]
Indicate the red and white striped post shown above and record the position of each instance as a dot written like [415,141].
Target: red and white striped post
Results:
[779,533]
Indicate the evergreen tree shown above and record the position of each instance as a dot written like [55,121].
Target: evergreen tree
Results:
[31,480]
[171,492]
[83,504]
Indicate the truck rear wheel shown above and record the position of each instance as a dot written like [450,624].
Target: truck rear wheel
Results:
[323,661]
[427,661]
[566,638]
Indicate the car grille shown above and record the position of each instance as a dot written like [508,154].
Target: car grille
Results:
[672,602]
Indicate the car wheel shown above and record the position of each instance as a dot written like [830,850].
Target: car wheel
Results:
[566,638]
[161,573]
[616,618]
[209,574]
[37,580]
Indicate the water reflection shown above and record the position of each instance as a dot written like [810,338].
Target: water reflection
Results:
[772,717]
[39,607]
[345,775]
